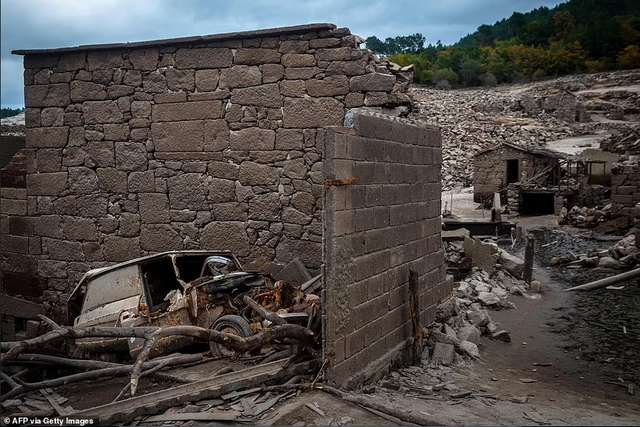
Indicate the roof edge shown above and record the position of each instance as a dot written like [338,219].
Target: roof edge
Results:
[267,32]
[538,151]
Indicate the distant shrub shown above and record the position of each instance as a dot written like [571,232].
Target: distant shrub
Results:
[629,57]
[538,75]
[488,79]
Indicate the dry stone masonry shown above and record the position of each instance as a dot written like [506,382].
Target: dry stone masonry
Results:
[202,142]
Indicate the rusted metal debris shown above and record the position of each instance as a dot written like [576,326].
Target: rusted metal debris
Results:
[150,306]
[340,182]
[199,288]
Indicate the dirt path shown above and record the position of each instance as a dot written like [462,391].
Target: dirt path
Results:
[532,380]
[567,389]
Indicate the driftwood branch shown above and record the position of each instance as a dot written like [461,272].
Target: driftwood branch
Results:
[12,383]
[48,321]
[235,342]
[99,373]
[263,312]
[152,335]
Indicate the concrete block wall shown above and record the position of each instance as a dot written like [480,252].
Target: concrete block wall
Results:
[384,222]
[206,142]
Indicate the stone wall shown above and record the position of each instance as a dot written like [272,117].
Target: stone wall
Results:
[490,170]
[625,189]
[207,142]
[383,223]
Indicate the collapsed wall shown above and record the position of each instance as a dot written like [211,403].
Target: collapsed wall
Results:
[381,221]
[201,142]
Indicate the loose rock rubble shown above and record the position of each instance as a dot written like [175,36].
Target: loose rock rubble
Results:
[462,321]
[623,255]
[584,217]
[526,114]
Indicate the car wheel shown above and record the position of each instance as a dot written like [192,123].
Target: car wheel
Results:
[231,324]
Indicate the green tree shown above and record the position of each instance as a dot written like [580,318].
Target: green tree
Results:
[470,71]
[10,112]
[564,25]
[422,65]
[574,36]
[629,57]
[376,45]
[444,77]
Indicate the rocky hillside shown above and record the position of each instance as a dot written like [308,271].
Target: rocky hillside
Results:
[13,125]
[590,106]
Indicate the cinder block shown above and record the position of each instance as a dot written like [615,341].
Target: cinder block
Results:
[363,219]
[358,196]
[380,216]
[354,342]
[358,293]
[339,348]
[344,221]
[376,240]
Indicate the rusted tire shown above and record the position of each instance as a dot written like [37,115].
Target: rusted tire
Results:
[231,324]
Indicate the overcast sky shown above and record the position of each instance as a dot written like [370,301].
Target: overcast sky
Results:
[57,23]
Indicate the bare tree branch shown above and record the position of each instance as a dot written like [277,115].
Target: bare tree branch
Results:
[263,312]
[99,373]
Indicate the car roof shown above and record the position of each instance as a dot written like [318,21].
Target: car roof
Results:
[96,272]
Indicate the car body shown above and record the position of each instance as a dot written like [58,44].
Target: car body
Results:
[191,287]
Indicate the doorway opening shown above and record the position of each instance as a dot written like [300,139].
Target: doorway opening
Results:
[513,171]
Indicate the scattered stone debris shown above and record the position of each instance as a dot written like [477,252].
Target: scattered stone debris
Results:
[584,217]
[526,114]
[623,255]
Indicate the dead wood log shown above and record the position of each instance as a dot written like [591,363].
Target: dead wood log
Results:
[48,321]
[607,281]
[232,341]
[153,334]
[235,342]
[98,373]
[263,312]
[47,359]
[127,387]
[12,383]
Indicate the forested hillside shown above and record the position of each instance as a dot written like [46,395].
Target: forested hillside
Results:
[573,37]
[9,112]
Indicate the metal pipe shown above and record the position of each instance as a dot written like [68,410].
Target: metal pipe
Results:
[602,283]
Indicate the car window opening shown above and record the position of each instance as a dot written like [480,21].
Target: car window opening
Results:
[159,279]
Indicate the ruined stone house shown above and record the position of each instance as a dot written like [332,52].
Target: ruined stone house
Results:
[230,141]
[495,168]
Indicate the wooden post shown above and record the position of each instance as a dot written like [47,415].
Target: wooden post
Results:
[414,306]
[527,274]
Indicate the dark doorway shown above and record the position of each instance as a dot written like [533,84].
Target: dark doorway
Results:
[536,203]
[513,171]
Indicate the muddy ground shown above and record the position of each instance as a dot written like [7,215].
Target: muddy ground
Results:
[601,326]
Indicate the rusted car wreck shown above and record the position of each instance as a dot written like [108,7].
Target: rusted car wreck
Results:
[197,287]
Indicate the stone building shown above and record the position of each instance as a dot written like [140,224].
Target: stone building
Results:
[218,142]
[495,168]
